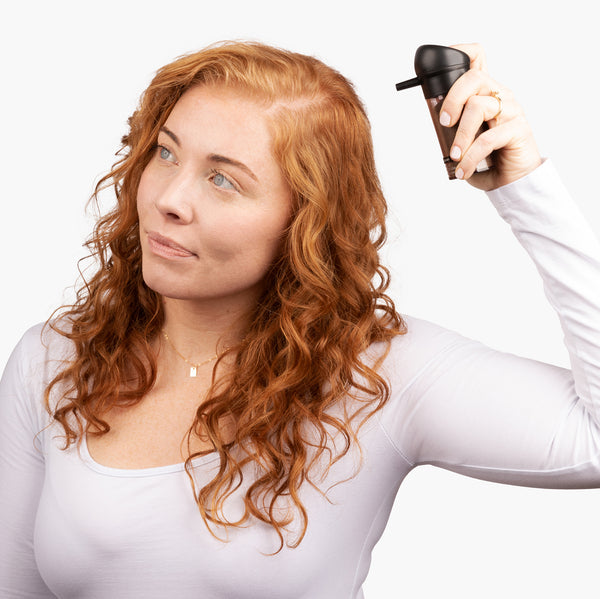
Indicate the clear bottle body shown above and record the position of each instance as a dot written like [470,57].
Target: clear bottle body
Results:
[446,136]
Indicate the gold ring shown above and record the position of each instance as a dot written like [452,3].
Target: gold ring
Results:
[496,94]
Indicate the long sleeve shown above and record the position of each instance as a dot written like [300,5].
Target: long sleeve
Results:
[454,403]
[496,416]
[21,473]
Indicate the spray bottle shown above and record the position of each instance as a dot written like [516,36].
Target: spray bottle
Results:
[437,68]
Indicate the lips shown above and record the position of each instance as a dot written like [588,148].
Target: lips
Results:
[163,246]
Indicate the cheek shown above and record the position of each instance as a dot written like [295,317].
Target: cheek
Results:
[245,248]
[263,235]
[252,232]
[143,193]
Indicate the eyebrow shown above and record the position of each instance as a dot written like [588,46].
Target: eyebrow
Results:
[225,160]
[217,158]
[172,135]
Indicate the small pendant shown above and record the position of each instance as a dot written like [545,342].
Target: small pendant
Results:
[193,371]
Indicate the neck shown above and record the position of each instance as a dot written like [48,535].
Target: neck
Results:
[200,330]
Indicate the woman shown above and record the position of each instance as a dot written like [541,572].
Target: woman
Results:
[231,404]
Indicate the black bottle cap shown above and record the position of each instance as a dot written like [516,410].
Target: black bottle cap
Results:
[437,68]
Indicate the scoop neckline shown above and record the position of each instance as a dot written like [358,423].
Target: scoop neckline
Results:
[140,472]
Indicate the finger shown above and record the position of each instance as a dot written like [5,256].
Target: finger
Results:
[490,140]
[476,54]
[472,83]
[477,110]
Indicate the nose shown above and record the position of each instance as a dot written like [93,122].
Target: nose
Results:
[175,200]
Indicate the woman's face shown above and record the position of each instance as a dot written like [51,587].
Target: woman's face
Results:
[212,202]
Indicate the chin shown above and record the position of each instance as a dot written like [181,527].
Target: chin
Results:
[175,282]
[166,284]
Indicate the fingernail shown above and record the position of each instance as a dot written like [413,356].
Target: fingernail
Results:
[455,153]
[459,173]
[444,118]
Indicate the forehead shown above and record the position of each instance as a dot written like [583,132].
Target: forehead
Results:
[220,111]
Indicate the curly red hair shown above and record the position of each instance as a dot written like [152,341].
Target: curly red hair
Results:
[324,303]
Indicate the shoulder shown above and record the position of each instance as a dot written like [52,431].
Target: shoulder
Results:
[37,355]
[422,340]
[423,348]
[34,362]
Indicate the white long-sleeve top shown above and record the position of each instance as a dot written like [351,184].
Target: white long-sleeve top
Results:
[73,528]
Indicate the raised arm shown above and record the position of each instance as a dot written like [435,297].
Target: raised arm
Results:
[492,415]
[488,414]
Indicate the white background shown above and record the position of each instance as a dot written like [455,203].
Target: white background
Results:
[71,74]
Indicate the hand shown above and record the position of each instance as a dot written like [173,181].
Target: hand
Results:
[509,134]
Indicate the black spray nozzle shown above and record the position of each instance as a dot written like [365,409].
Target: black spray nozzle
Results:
[437,68]
[408,83]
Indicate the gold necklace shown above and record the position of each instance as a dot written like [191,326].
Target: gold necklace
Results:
[193,367]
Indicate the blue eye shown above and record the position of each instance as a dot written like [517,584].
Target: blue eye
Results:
[220,180]
[164,153]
